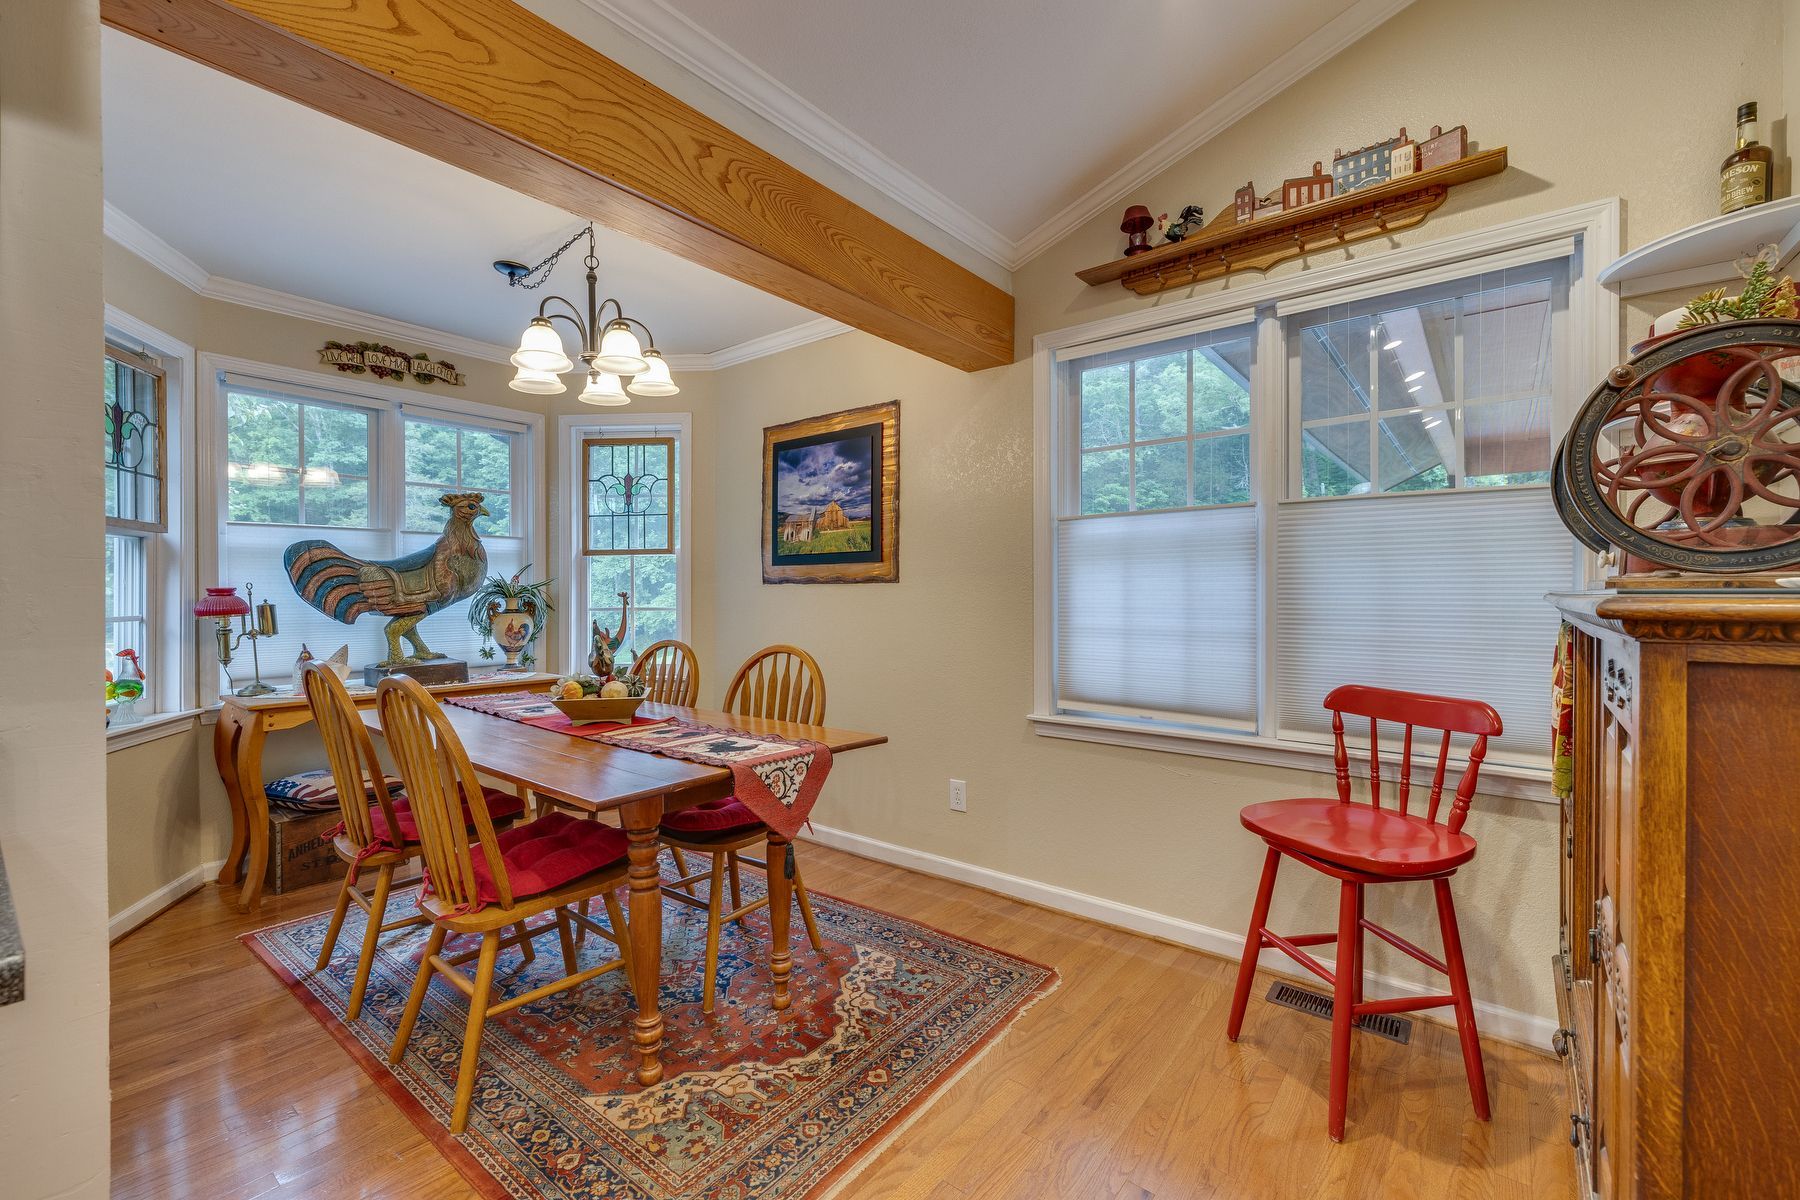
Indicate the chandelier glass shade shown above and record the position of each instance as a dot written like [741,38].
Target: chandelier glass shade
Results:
[654,380]
[541,349]
[603,389]
[607,349]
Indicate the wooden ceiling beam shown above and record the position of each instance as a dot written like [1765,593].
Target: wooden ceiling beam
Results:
[489,87]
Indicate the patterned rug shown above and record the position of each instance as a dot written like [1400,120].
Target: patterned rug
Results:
[752,1104]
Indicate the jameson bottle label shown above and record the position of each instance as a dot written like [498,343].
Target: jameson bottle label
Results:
[1743,184]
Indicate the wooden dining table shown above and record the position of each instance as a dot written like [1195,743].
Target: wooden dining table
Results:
[641,788]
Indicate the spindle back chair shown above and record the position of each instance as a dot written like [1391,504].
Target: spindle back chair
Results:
[779,683]
[670,672]
[356,774]
[453,838]
[1360,844]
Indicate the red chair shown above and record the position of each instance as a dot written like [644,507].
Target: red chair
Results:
[1361,844]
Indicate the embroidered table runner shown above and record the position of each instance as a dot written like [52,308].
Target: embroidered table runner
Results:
[776,778]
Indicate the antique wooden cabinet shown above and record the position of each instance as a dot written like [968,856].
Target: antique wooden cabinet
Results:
[1678,977]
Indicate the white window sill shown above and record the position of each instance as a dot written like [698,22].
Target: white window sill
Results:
[151,728]
[1497,779]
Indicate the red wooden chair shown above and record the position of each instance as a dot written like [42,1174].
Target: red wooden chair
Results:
[1361,844]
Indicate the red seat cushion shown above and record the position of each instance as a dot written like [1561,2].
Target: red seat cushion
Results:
[501,806]
[715,816]
[1359,836]
[549,853]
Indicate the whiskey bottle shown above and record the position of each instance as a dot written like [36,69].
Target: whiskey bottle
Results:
[1744,175]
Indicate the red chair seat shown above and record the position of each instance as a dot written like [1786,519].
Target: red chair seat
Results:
[501,806]
[548,853]
[715,816]
[1359,836]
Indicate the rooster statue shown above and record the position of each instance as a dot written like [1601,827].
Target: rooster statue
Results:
[407,589]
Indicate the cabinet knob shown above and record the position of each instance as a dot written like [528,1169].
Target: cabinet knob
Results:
[1576,1123]
[1561,1040]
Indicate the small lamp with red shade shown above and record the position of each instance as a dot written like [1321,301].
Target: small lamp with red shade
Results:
[223,603]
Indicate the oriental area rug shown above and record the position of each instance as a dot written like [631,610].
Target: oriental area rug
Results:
[753,1103]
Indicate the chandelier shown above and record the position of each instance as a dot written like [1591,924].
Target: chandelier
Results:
[608,351]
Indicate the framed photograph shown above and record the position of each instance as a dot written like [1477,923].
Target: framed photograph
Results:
[831,498]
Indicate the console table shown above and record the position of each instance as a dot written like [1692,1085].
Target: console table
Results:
[245,723]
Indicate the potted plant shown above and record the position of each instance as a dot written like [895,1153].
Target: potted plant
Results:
[509,613]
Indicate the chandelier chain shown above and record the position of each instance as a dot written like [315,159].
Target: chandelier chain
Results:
[543,270]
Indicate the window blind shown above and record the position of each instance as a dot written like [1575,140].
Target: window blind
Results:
[1156,616]
[1439,593]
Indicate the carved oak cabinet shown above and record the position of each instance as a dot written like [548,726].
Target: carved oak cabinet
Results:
[1678,976]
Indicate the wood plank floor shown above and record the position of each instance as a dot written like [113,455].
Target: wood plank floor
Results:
[1120,1085]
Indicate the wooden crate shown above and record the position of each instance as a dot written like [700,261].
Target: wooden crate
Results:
[301,853]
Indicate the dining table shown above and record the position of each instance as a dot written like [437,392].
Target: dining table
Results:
[641,788]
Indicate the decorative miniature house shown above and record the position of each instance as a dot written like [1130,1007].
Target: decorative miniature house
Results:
[1404,160]
[1355,169]
[1307,189]
[1443,147]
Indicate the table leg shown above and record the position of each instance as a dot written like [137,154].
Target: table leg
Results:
[640,819]
[781,884]
[225,748]
[256,811]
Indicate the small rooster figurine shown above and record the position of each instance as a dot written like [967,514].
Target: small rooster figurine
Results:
[406,589]
[606,645]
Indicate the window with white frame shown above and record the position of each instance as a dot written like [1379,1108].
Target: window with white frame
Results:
[135,404]
[364,474]
[630,541]
[1363,499]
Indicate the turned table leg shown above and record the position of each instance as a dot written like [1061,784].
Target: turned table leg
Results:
[781,884]
[640,819]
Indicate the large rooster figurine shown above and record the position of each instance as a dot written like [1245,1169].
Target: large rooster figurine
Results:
[406,589]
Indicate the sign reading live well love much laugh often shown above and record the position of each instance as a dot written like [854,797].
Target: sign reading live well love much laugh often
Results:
[385,362]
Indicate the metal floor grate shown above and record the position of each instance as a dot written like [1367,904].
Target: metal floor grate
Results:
[1318,1004]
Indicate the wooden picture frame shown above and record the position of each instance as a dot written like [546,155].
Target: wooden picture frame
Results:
[831,471]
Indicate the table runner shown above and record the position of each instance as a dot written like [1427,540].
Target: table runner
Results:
[778,779]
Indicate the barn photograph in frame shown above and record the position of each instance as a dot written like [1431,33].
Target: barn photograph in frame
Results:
[831,492]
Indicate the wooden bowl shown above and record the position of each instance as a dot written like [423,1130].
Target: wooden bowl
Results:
[592,709]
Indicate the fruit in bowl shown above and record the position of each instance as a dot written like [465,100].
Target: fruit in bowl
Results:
[591,698]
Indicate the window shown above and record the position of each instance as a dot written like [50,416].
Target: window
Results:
[135,411]
[363,474]
[630,524]
[1250,512]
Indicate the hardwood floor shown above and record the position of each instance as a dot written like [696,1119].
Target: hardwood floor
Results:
[1119,1085]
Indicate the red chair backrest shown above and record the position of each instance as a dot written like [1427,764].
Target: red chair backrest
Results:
[1415,710]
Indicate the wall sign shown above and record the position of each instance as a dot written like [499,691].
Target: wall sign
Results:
[385,362]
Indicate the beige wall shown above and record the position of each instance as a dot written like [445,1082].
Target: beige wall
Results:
[54,1137]
[166,808]
[942,661]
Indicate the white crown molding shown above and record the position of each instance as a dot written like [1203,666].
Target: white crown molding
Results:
[185,271]
[1334,36]
[701,54]
[769,343]
[152,249]
[250,295]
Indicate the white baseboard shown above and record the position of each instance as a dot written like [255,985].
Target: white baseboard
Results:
[176,889]
[1526,1029]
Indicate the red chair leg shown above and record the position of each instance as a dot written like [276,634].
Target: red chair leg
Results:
[1356,982]
[1343,1002]
[1253,944]
[1465,1007]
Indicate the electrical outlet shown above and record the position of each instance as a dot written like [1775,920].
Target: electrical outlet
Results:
[959,796]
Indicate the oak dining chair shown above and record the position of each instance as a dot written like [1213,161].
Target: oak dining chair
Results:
[379,831]
[670,672]
[481,881]
[780,683]
[1362,844]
